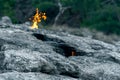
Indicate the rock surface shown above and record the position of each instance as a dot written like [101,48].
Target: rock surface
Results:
[41,54]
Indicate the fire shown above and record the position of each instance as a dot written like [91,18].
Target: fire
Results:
[37,19]
[73,53]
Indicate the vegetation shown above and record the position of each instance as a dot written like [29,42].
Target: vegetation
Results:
[103,15]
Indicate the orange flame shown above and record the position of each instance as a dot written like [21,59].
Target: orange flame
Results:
[37,19]
[73,53]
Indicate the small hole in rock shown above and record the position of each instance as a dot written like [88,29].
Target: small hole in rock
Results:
[59,45]
[40,36]
[70,74]
[65,50]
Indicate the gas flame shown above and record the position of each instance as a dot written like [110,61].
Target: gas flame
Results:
[37,19]
[73,53]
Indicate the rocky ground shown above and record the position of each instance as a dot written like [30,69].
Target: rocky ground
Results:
[27,54]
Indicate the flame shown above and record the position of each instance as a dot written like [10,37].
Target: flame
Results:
[73,53]
[37,19]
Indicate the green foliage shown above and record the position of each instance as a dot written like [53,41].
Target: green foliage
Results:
[82,7]
[105,20]
[7,8]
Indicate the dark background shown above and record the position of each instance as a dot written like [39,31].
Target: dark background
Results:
[102,15]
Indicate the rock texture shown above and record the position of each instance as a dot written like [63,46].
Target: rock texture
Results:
[41,54]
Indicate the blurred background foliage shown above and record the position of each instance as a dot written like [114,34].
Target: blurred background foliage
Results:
[103,15]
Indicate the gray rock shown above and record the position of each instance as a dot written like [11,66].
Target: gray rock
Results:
[84,46]
[6,20]
[48,55]
[33,61]
[24,53]
[98,68]
[32,76]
